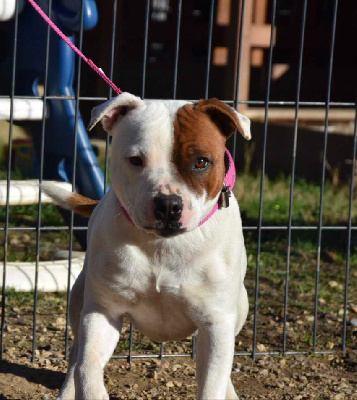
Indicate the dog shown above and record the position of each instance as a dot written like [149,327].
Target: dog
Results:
[164,246]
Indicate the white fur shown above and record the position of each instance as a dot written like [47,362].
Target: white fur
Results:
[103,110]
[169,287]
[59,195]
[244,123]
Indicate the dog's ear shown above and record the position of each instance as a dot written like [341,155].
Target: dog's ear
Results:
[225,117]
[114,109]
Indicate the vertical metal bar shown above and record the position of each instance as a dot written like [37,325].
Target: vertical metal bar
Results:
[328,97]
[112,54]
[239,61]
[73,179]
[349,231]
[130,355]
[194,338]
[161,350]
[177,49]
[193,352]
[237,74]
[292,183]
[261,202]
[106,161]
[209,51]
[8,178]
[146,40]
[110,91]
[39,207]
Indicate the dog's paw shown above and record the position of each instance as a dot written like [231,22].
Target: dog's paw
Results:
[231,393]
[103,396]
[233,397]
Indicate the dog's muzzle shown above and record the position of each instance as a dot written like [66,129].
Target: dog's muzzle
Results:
[167,212]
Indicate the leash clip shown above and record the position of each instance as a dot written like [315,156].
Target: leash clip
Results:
[223,200]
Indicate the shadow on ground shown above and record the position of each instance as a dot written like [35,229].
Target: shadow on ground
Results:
[44,377]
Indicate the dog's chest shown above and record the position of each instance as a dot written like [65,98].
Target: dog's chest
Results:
[151,291]
[132,276]
[160,285]
[138,277]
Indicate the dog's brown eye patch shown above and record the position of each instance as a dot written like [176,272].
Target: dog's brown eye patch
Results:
[198,152]
[201,163]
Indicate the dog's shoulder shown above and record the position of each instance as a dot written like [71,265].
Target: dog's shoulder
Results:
[105,213]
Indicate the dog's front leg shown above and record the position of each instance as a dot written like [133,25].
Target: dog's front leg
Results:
[215,350]
[98,336]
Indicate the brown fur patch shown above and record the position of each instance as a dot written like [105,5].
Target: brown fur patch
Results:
[225,117]
[197,135]
[82,205]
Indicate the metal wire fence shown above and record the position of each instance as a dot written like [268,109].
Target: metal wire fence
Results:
[259,228]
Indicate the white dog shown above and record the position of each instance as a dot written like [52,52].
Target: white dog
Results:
[164,247]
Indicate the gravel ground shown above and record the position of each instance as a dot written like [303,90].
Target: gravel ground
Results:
[294,377]
[297,377]
[269,377]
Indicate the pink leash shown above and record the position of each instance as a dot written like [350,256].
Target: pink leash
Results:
[230,177]
[74,48]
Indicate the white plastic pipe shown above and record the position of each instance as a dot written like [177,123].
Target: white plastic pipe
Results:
[27,192]
[24,109]
[52,275]
[7,9]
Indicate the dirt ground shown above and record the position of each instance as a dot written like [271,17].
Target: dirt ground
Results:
[332,376]
[298,377]
[269,377]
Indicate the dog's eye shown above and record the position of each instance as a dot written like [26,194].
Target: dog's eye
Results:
[137,161]
[201,163]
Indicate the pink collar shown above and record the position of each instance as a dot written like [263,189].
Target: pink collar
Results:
[223,200]
[229,181]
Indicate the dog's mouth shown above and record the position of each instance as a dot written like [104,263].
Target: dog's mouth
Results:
[166,231]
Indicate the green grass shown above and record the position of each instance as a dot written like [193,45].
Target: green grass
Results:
[306,201]
[27,216]
[16,175]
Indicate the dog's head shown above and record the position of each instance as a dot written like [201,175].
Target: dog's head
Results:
[167,162]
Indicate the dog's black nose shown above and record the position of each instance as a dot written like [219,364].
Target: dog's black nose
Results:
[167,210]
